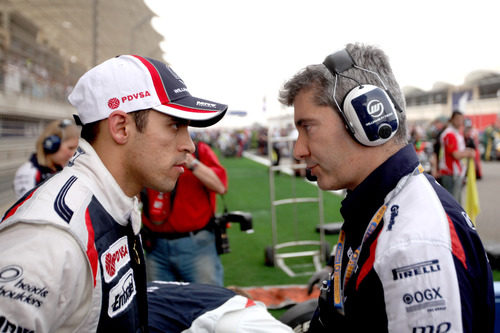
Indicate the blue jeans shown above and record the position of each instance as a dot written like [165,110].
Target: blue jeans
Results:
[189,259]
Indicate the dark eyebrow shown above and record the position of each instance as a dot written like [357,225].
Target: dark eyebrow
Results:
[301,121]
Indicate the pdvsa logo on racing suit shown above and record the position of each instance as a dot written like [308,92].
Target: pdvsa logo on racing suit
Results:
[116,257]
[122,294]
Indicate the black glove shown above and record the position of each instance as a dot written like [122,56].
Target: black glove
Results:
[318,278]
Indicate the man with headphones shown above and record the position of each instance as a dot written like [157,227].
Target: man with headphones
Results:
[408,258]
[54,148]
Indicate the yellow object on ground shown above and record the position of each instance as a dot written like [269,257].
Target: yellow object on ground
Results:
[472,197]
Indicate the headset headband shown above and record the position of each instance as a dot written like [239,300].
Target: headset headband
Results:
[368,111]
[339,62]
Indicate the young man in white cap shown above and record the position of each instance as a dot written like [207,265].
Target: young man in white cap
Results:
[71,256]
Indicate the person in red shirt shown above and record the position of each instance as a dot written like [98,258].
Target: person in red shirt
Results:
[453,150]
[180,241]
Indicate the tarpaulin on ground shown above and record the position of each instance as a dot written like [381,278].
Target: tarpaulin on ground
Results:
[278,297]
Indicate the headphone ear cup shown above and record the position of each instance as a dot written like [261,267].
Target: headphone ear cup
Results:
[51,144]
[370,114]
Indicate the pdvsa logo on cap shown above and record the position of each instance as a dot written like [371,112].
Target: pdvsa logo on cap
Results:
[114,103]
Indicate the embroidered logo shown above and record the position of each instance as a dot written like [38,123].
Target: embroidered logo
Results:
[121,295]
[424,267]
[394,213]
[114,103]
[116,257]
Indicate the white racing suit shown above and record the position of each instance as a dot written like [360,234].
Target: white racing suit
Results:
[30,174]
[71,260]
[423,269]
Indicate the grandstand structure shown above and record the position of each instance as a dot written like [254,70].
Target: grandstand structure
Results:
[478,98]
[45,46]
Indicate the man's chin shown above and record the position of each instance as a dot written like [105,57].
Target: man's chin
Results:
[326,186]
[165,186]
[322,186]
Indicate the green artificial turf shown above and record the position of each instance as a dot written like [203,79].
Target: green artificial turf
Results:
[249,191]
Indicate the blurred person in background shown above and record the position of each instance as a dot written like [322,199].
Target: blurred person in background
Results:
[404,236]
[453,150]
[178,227]
[54,148]
[471,137]
[491,141]
[424,150]
[436,128]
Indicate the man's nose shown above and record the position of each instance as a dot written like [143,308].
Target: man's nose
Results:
[300,150]
[187,143]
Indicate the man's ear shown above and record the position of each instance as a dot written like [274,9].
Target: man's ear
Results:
[119,126]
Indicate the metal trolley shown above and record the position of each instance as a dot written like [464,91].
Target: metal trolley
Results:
[277,254]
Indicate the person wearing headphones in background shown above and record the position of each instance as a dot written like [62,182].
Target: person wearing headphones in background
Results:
[54,148]
[408,258]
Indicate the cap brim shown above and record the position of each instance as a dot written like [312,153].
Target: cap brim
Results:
[199,112]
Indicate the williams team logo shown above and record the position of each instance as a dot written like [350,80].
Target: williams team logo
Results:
[122,294]
[115,258]
[375,108]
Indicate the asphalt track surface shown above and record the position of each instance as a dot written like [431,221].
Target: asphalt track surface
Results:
[488,220]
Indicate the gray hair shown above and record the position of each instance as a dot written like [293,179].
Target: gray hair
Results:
[321,81]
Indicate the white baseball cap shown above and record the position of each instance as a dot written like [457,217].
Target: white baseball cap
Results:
[131,83]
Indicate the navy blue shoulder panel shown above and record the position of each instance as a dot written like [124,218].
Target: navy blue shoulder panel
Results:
[123,278]
[174,306]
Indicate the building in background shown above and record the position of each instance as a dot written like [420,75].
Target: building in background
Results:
[478,98]
[45,46]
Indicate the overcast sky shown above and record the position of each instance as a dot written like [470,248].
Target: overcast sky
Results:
[240,52]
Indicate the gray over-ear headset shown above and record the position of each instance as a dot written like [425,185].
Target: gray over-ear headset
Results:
[368,111]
